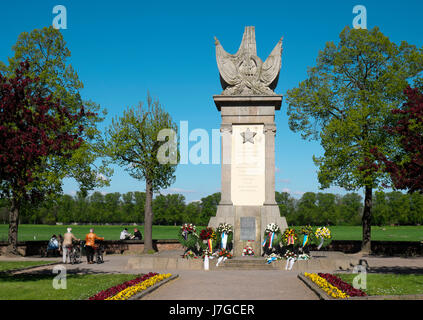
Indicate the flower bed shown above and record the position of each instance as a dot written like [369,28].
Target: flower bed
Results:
[129,288]
[342,285]
[130,291]
[330,289]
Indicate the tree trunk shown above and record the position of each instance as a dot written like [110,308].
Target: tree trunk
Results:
[148,217]
[366,219]
[12,247]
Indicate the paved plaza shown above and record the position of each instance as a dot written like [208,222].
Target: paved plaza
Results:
[224,284]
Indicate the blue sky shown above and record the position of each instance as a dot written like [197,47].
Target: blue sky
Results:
[121,49]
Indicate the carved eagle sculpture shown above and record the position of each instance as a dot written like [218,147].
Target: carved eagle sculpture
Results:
[244,73]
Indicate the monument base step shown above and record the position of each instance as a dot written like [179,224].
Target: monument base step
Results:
[320,261]
[247,264]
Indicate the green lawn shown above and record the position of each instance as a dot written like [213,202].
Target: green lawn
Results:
[12,265]
[389,284]
[40,287]
[44,232]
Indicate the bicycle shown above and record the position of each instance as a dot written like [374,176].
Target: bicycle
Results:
[98,251]
[75,253]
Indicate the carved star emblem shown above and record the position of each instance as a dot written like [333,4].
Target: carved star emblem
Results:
[248,136]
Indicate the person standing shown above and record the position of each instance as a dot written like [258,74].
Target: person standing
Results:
[90,239]
[67,244]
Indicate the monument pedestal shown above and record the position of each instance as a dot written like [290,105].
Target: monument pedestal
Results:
[249,223]
[248,168]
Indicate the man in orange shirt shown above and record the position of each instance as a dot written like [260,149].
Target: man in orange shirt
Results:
[90,244]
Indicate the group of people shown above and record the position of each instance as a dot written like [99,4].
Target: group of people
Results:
[65,243]
[125,235]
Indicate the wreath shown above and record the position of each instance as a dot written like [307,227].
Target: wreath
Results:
[208,235]
[289,237]
[272,236]
[228,230]
[224,253]
[188,236]
[308,235]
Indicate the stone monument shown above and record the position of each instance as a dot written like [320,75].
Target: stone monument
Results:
[247,106]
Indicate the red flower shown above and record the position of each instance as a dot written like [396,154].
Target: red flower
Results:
[104,294]
[341,285]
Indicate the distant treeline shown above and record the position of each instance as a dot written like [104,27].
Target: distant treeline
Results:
[312,208]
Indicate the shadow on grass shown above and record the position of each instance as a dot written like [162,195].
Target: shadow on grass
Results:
[47,274]
[396,270]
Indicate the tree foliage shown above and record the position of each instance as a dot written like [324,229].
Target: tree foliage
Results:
[406,165]
[317,209]
[345,103]
[48,54]
[132,141]
[33,128]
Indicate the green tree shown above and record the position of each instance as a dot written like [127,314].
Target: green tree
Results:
[128,207]
[209,207]
[49,56]
[346,101]
[350,209]
[286,205]
[192,213]
[416,208]
[133,141]
[139,206]
[66,206]
[168,209]
[381,210]
[306,209]
[112,205]
[326,213]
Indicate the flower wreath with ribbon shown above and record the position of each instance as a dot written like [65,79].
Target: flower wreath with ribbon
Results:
[289,237]
[272,235]
[322,234]
[188,236]
[224,234]
[307,233]
[209,235]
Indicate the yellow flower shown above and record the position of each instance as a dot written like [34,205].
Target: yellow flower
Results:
[130,291]
[326,286]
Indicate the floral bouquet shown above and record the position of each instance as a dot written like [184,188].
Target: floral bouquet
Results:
[303,256]
[272,227]
[272,236]
[209,236]
[208,233]
[206,256]
[224,227]
[273,257]
[289,237]
[207,253]
[290,257]
[189,255]
[248,251]
[188,236]
[222,255]
[308,235]
[224,235]
[323,234]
